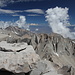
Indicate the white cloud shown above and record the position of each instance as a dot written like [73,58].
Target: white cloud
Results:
[38,11]
[6,2]
[6,11]
[20,23]
[33,24]
[15,12]
[15,15]
[58,19]
[33,15]
[36,29]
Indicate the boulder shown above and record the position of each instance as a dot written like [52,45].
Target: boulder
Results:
[17,57]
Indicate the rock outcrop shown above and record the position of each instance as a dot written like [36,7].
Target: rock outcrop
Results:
[45,67]
[57,49]
[57,54]
[17,57]
[18,31]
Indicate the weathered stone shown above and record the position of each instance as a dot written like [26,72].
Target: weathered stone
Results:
[19,74]
[58,50]
[17,57]
[45,67]
[55,48]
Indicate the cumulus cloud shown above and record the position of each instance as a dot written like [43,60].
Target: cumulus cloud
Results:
[6,2]
[20,23]
[58,19]
[38,11]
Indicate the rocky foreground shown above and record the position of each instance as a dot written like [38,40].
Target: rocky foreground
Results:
[26,53]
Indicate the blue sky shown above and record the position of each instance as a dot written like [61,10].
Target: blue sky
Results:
[34,10]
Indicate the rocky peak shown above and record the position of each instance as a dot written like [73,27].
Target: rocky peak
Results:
[17,30]
[57,54]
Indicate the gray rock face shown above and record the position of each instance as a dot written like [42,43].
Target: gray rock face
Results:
[17,30]
[17,57]
[19,74]
[55,48]
[44,67]
[59,51]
